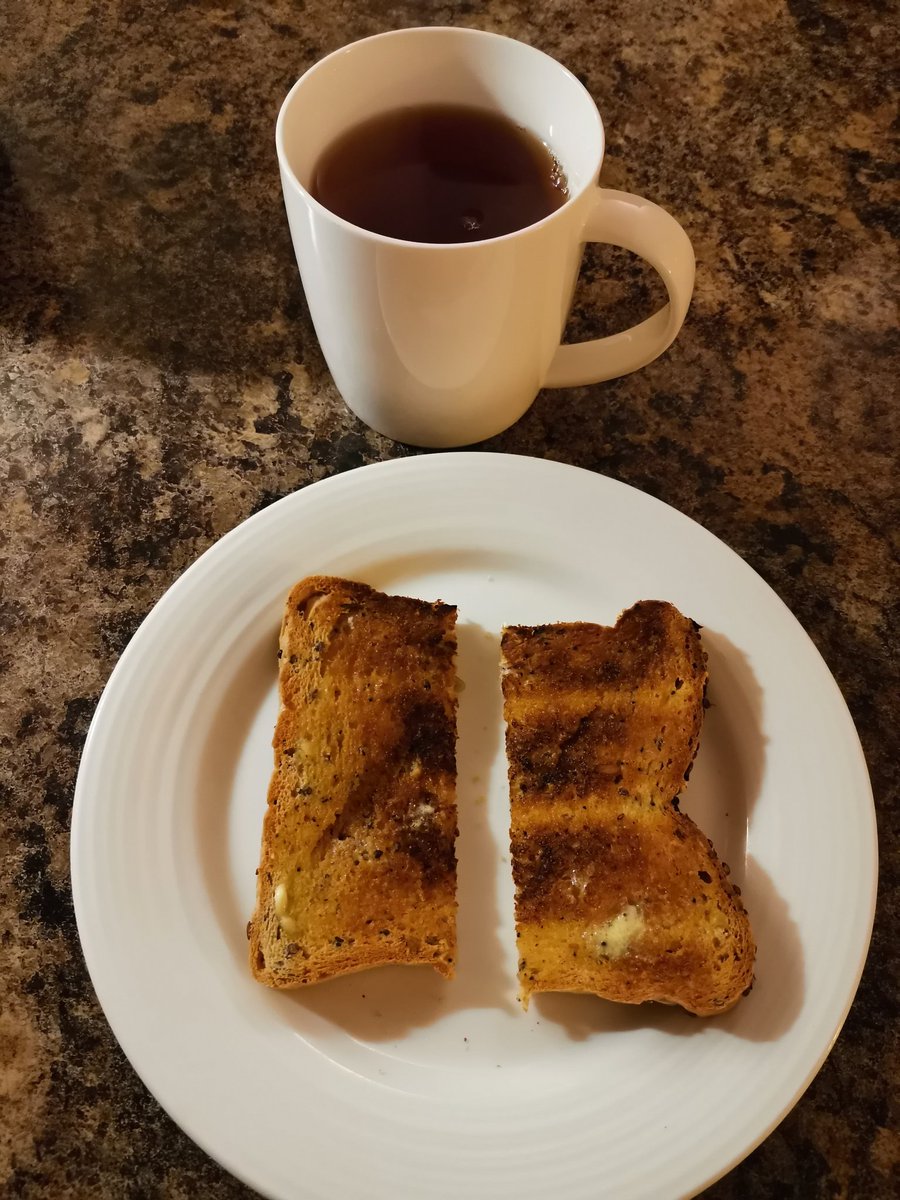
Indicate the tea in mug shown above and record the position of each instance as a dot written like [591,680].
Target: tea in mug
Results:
[439,173]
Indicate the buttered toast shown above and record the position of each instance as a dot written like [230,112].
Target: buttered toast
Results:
[358,862]
[618,893]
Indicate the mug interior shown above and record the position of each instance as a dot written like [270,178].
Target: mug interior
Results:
[441,66]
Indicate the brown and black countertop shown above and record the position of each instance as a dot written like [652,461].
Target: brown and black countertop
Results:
[160,381]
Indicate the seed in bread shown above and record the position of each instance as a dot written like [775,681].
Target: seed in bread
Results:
[618,893]
[358,861]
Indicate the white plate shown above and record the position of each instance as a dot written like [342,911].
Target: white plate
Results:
[394,1083]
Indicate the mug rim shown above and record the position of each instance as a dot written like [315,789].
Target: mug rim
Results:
[288,173]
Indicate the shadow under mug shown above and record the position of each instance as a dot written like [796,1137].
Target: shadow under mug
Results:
[445,345]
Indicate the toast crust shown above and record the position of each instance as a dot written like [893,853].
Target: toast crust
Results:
[618,893]
[358,863]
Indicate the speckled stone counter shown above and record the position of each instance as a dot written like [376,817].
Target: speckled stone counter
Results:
[160,381]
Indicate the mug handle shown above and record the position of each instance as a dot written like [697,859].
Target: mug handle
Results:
[635,224]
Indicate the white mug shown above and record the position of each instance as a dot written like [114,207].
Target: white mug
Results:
[444,345]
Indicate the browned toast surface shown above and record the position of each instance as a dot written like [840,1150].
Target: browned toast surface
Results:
[358,863]
[617,892]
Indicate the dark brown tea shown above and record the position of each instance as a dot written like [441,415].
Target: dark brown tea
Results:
[439,173]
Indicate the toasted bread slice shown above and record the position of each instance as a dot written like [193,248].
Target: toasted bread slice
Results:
[358,861]
[617,892]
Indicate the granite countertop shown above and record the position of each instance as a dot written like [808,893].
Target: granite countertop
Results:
[160,381]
